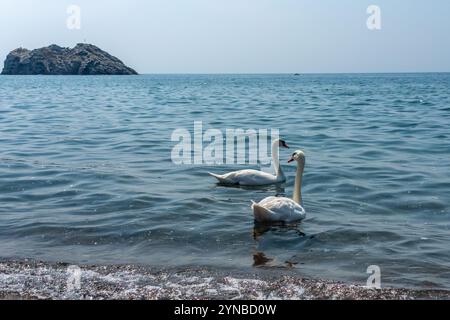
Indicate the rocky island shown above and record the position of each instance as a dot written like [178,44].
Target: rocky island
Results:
[83,59]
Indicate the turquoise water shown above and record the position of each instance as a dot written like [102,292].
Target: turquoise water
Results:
[86,174]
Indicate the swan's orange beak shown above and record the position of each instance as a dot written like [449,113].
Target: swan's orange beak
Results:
[290,160]
[284,144]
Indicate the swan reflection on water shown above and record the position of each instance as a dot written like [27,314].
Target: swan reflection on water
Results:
[279,188]
[260,229]
[260,259]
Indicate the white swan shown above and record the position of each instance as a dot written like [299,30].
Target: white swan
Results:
[255,177]
[282,209]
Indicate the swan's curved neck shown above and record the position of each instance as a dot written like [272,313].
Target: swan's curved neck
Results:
[298,182]
[275,159]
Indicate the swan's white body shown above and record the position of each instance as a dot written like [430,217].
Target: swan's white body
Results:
[282,209]
[251,177]
[248,177]
[278,209]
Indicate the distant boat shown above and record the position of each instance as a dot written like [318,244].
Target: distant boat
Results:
[296,74]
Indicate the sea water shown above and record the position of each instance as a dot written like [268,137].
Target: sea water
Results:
[86,174]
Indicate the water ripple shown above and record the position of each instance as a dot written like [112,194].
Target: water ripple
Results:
[86,175]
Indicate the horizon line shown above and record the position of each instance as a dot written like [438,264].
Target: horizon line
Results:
[251,73]
[289,73]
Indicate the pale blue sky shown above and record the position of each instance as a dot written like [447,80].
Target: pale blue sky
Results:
[242,36]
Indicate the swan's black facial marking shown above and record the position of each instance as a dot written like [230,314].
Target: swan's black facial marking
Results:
[283,144]
[293,157]
[297,156]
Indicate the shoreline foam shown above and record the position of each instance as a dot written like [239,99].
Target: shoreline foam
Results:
[38,280]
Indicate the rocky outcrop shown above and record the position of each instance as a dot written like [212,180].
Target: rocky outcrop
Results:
[83,59]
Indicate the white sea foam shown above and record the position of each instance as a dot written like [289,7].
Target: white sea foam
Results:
[34,280]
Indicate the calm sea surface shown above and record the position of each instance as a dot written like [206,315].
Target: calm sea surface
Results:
[86,174]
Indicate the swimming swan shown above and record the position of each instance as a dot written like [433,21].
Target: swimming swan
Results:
[282,209]
[255,177]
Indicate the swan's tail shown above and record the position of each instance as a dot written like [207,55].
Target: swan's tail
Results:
[220,178]
[261,214]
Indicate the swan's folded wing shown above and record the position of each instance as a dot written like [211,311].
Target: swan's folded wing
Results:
[247,177]
[221,178]
[253,177]
[283,209]
[262,214]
